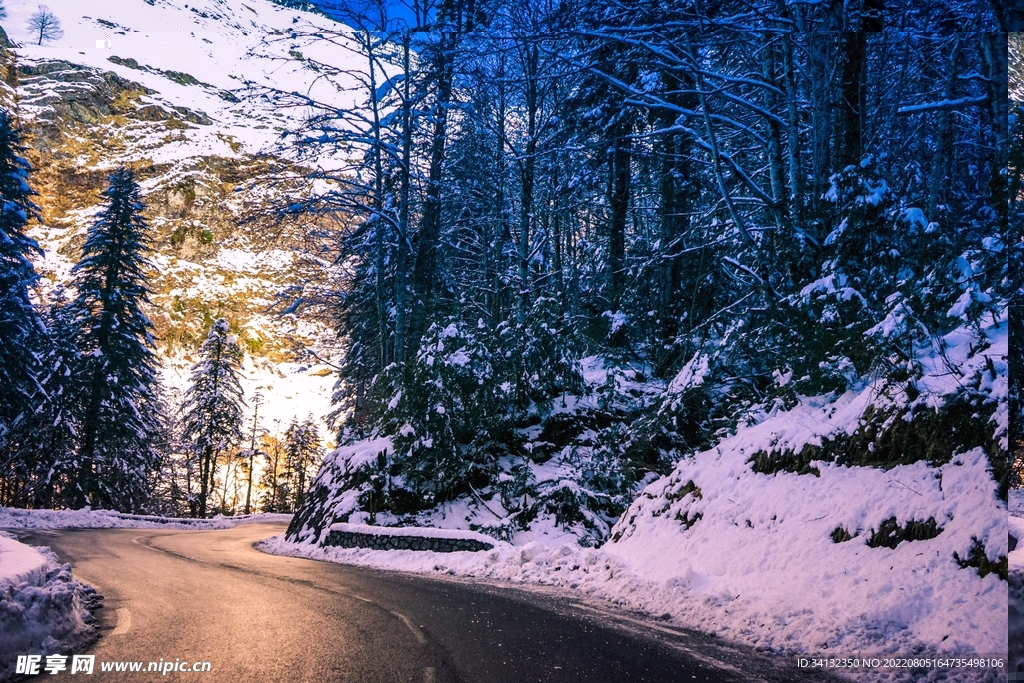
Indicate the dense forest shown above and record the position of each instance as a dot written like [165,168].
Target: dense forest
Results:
[726,207]
[721,208]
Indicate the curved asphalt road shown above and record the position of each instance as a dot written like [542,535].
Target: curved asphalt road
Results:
[210,596]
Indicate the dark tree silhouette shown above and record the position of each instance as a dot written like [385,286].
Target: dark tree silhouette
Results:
[20,326]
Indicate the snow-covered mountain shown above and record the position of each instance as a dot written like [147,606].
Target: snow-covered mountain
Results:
[176,90]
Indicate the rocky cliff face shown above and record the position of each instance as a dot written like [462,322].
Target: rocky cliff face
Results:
[205,156]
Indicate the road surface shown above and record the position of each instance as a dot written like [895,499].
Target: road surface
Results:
[209,596]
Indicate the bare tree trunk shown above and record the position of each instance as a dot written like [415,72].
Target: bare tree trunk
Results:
[819,49]
[994,58]
[252,449]
[425,269]
[402,248]
[943,152]
[849,134]
[528,173]
[379,224]
[620,170]
[502,230]
[776,167]
[796,174]
[676,197]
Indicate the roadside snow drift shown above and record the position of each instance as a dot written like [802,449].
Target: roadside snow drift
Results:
[43,610]
[17,518]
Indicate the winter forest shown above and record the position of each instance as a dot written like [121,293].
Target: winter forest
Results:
[85,419]
[596,236]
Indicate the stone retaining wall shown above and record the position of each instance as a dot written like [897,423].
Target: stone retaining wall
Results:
[349,539]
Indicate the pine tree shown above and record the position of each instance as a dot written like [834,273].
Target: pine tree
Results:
[212,411]
[122,407]
[21,329]
[51,438]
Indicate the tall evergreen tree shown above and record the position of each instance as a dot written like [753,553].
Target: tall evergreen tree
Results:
[122,408]
[212,411]
[20,326]
[50,438]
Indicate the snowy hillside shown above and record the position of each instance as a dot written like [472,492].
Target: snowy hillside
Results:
[812,555]
[176,90]
[193,55]
[837,558]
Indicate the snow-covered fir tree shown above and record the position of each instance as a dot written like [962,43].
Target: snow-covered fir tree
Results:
[21,330]
[211,420]
[52,435]
[122,408]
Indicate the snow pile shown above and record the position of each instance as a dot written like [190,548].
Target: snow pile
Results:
[760,562]
[43,610]
[16,518]
[782,561]
[19,562]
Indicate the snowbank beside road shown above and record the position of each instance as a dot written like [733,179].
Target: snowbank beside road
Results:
[19,562]
[43,610]
[16,518]
[779,584]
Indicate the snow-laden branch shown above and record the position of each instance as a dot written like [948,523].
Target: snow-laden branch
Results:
[941,105]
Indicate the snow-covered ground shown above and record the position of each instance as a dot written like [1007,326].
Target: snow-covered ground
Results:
[17,518]
[752,557]
[42,608]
